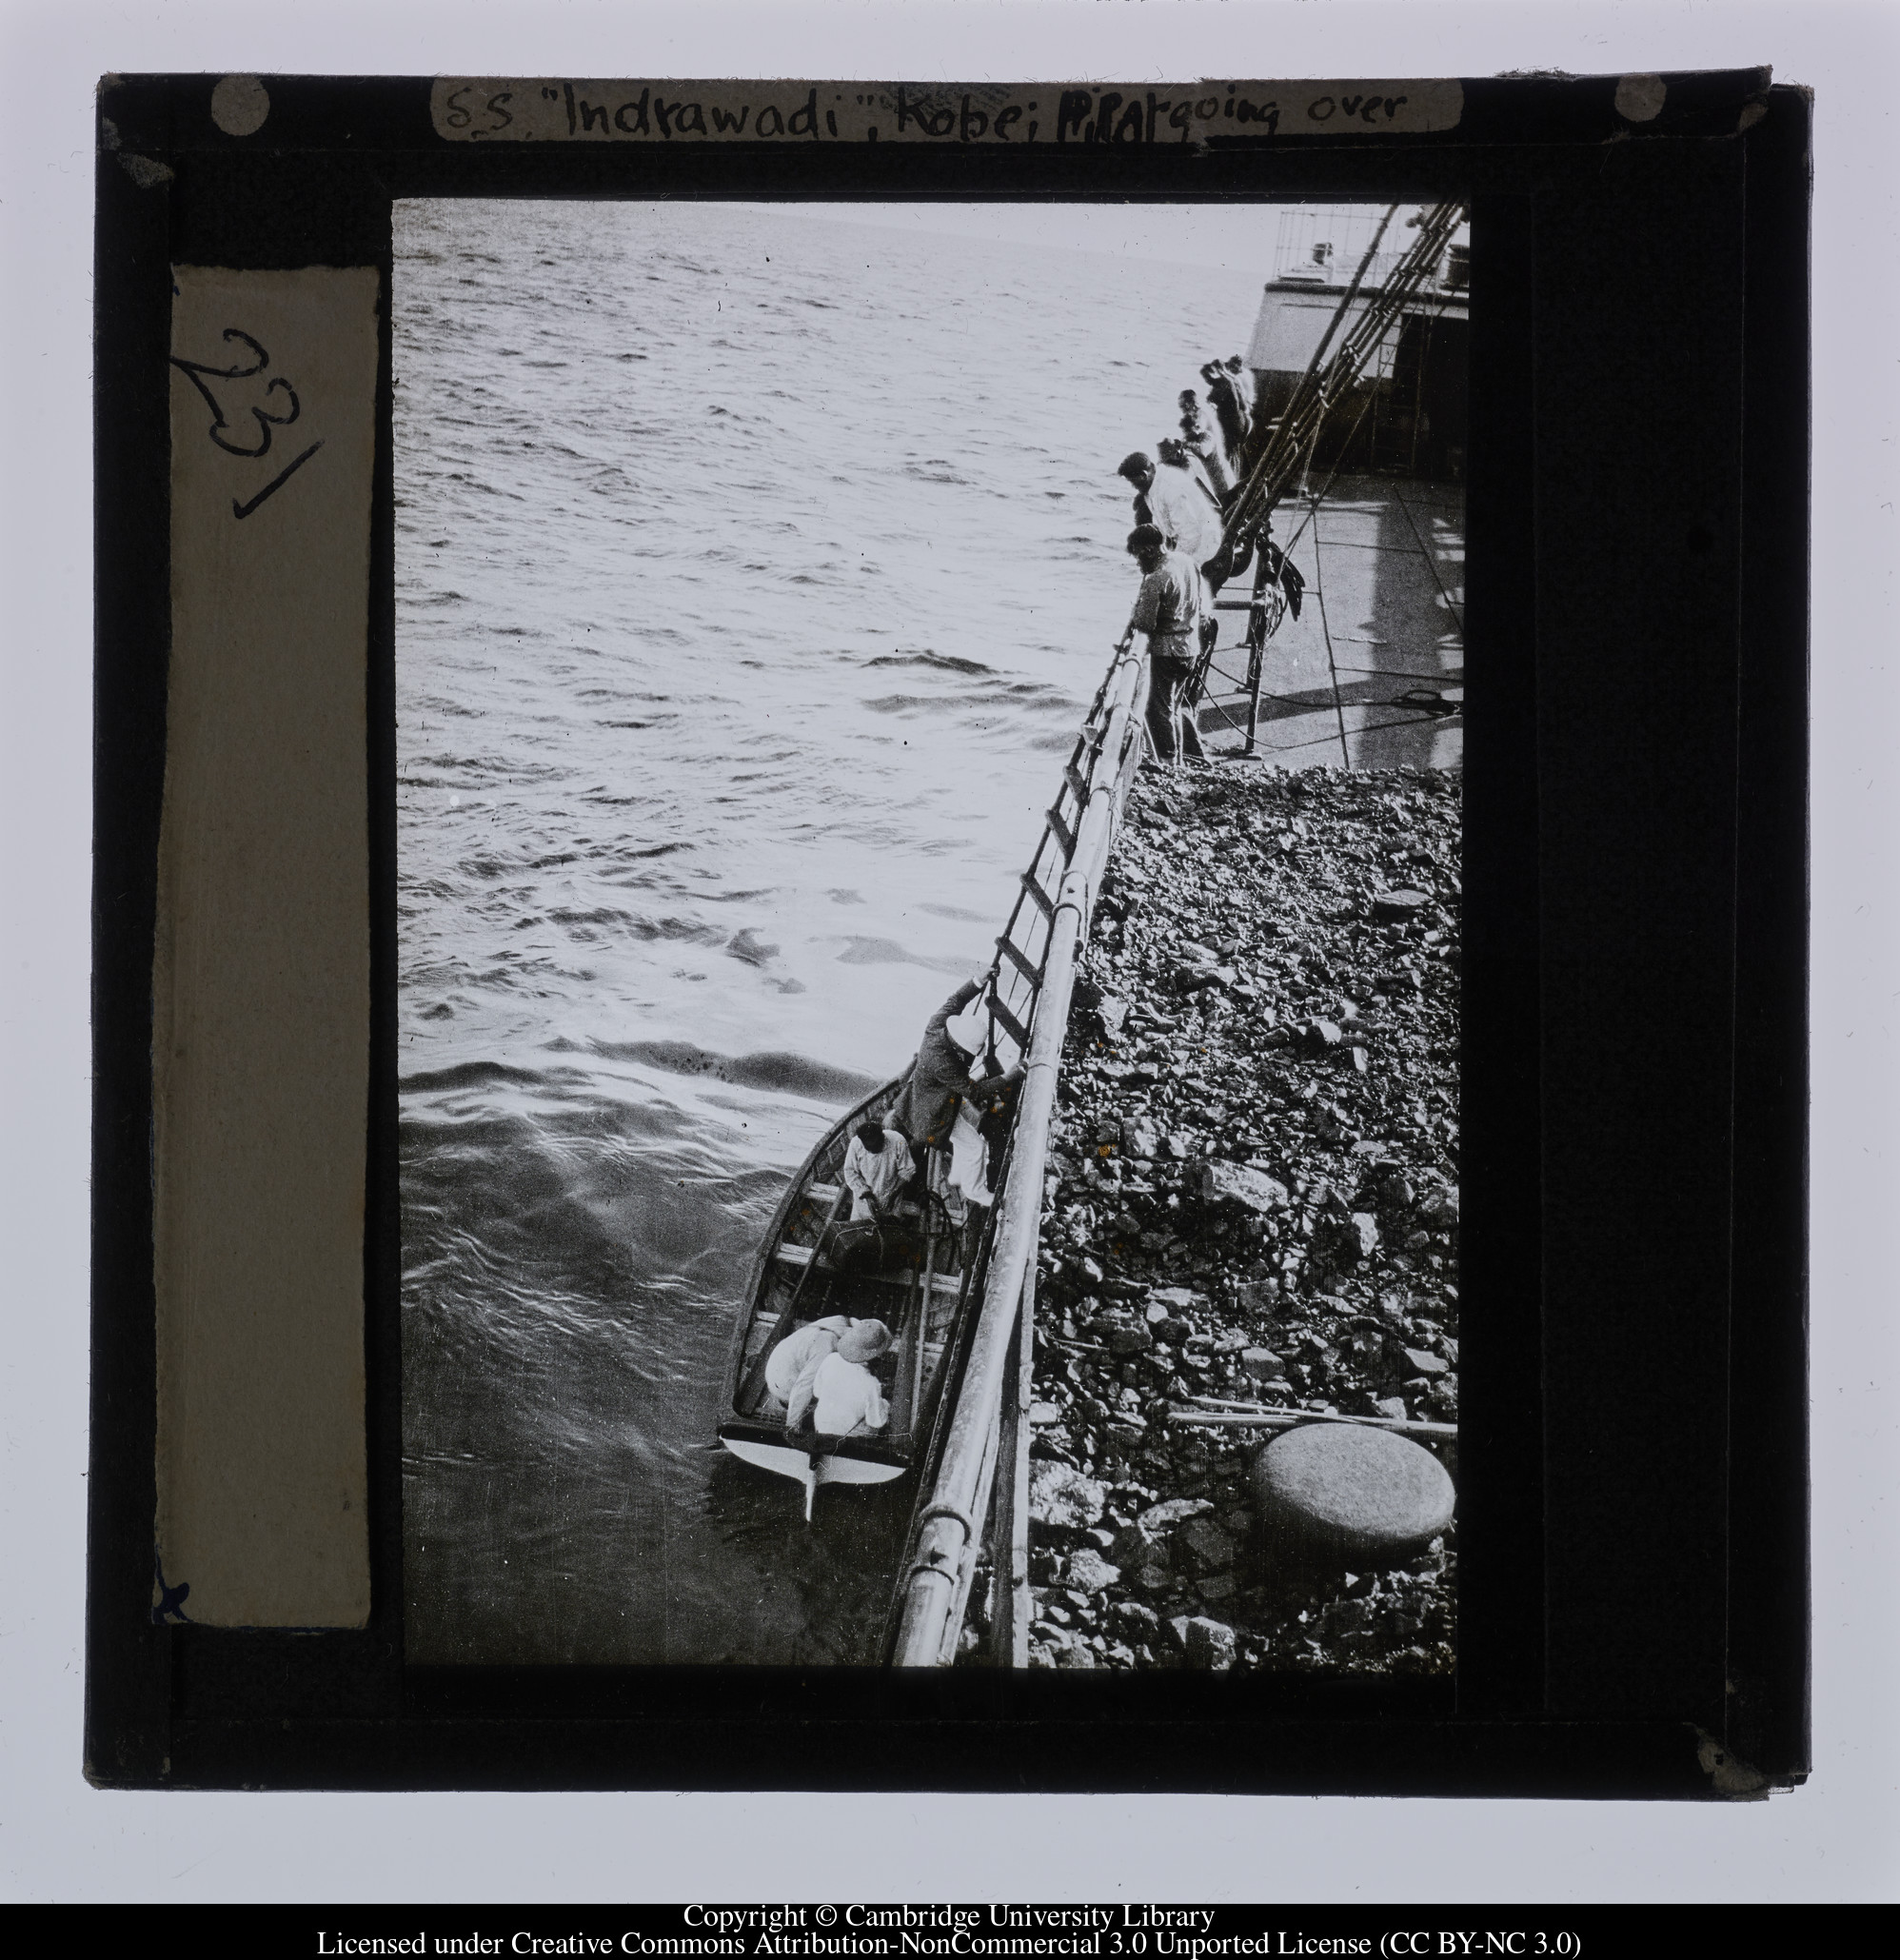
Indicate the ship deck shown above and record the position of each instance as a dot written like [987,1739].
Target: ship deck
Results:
[1383,560]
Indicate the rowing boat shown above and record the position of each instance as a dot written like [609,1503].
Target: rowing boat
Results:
[928,1294]
[920,1292]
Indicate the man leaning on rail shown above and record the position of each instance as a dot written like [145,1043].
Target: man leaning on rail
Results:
[1184,507]
[1168,610]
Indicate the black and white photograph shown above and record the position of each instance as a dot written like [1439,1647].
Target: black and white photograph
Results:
[929,748]
[709,861]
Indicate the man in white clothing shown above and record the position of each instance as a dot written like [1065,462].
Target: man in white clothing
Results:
[799,1354]
[1184,506]
[877,1166]
[845,1398]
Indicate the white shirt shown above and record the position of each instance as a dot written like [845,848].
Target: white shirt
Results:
[969,1157]
[1208,466]
[1185,512]
[878,1174]
[800,1351]
[848,1398]
[1168,607]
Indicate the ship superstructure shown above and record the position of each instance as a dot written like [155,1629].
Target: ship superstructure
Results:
[1407,415]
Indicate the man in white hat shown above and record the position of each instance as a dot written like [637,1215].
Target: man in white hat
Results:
[953,1037]
[842,1393]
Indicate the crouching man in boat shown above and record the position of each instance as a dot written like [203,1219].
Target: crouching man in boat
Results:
[796,1359]
[877,1167]
[1168,610]
[839,1395]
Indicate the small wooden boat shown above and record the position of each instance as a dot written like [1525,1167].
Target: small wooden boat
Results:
[919,1292]
[929,1295]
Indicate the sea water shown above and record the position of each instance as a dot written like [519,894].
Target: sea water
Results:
[754,570]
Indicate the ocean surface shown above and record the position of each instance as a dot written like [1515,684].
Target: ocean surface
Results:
[753,572]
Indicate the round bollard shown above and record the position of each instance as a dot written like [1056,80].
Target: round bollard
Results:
[1334,1488]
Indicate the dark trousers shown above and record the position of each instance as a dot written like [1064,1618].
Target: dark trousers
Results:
[1172,726]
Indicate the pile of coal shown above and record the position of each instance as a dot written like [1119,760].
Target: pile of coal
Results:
[1253,1199]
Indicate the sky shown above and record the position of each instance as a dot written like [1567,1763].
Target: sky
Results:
[1232,238]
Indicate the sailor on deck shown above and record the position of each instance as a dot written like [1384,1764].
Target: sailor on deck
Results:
[1168,610]
[1138,470]
[1205,447]
[1184,504]
[1227,395]
[1180,502]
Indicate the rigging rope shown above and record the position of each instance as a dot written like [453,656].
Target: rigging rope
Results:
[1273,472]
[1319,391]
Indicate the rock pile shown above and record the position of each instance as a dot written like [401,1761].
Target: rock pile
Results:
[1252,1198]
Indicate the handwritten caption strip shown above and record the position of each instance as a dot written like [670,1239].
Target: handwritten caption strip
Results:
[1108,117]
[261,980]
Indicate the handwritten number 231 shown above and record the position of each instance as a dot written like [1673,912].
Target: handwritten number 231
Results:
[195,373]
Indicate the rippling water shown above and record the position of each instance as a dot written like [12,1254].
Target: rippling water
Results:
[753,570]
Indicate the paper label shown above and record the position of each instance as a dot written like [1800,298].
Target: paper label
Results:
[260,984]
[1107,116]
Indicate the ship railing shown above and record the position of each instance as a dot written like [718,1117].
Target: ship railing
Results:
[1023,947]
[982,1467]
